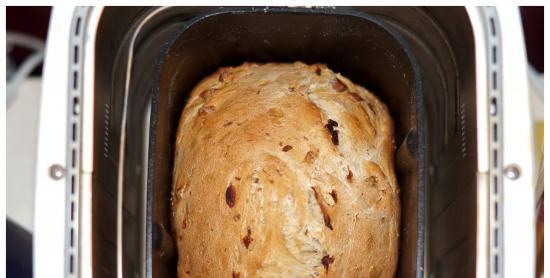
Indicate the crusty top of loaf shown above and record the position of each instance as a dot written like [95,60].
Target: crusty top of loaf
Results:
[284,170]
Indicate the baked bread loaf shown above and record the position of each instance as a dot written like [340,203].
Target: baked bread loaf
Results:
[284,170]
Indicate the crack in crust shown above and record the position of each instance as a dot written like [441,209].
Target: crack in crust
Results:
[324,209]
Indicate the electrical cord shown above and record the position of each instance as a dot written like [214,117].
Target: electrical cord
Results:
[17,76]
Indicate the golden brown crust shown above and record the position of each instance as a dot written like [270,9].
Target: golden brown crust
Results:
[284,170]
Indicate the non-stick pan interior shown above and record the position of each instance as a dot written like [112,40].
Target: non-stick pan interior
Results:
[360,46]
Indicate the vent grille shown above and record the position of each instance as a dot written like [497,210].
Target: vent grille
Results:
[496,250]
[74,133]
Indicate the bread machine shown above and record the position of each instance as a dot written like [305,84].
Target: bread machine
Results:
[116,79]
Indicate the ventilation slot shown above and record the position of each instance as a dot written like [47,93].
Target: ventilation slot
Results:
[75,80]
[493,27]
[72,238]
[72,184]
[495,238]
[77,26]
[496,212]
[493,109]
[75,56]
[495,134]
[73,158]
[74,132]
[76,106]
[71,264]
[72,211]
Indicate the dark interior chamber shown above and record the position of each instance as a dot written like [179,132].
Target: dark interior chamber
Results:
[419,61]
[359,46]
